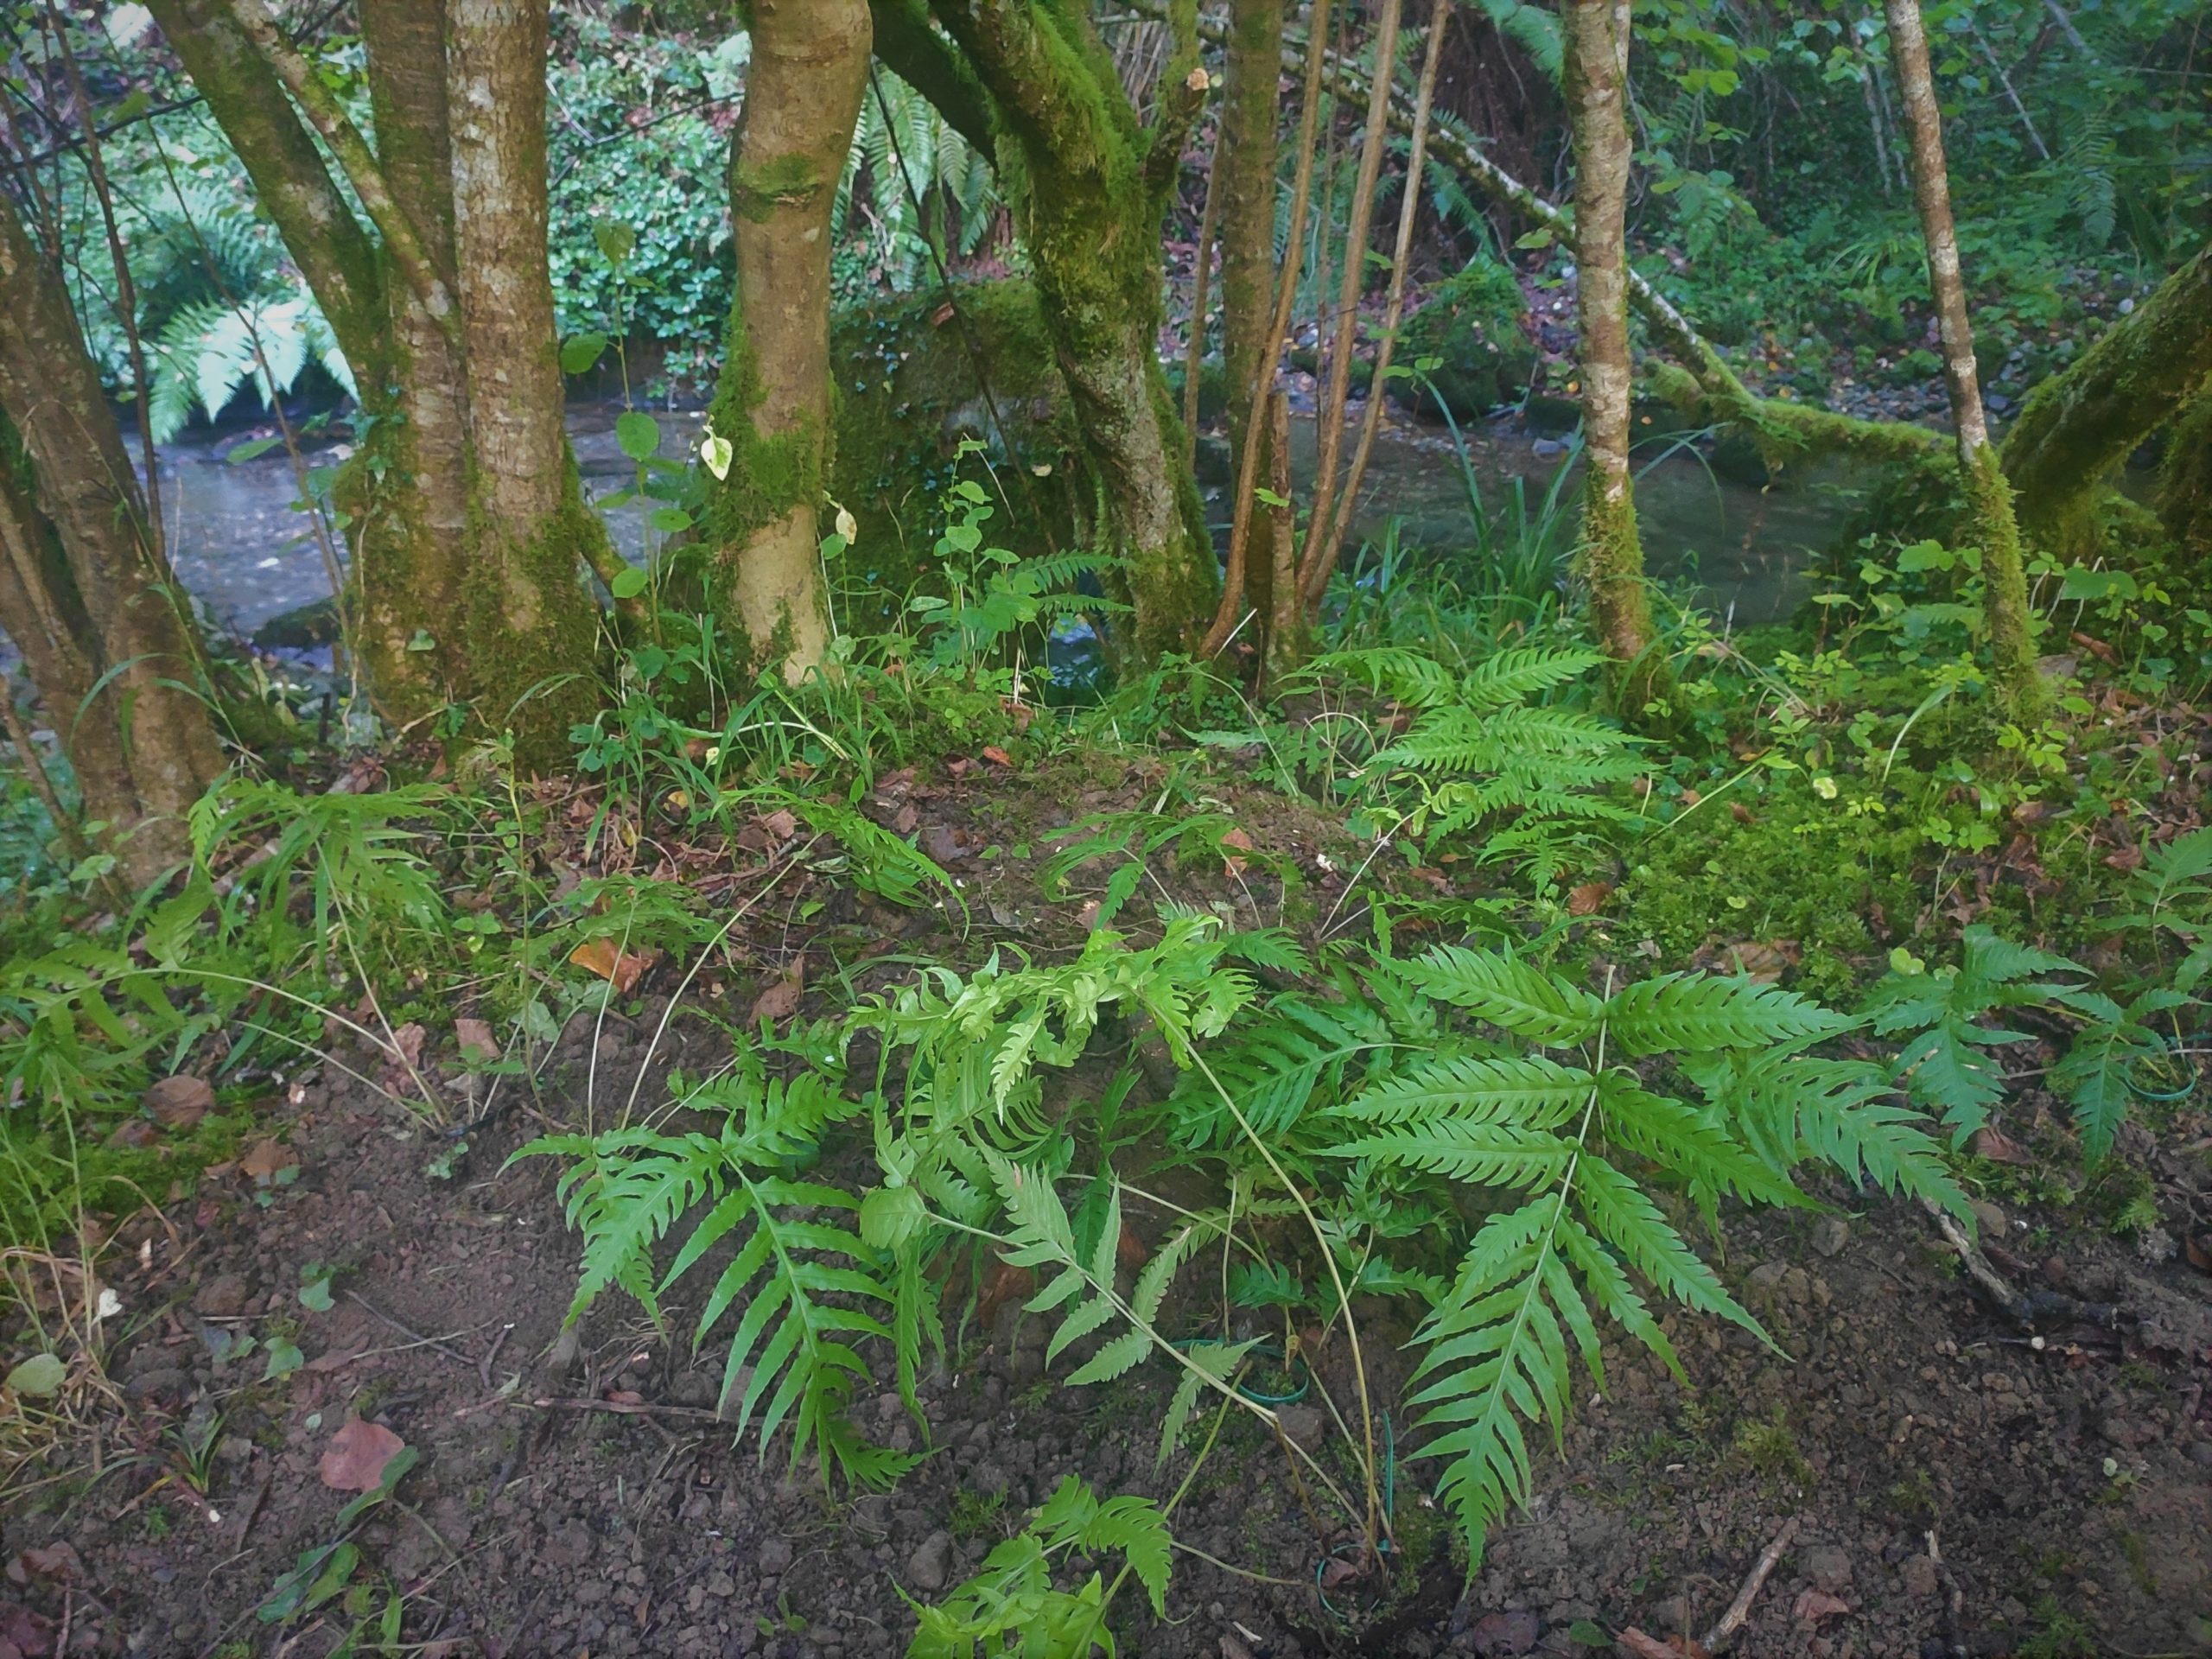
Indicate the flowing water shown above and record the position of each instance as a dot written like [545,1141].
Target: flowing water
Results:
[239,543]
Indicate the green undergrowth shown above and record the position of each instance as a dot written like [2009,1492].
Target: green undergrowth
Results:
[1445,1006]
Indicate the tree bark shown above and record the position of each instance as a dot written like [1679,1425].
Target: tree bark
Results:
[2077,426]
[803,96]
[2185,484]
[1989,498]
[1243,184]
[530,627]
[1596,42]
[99,617]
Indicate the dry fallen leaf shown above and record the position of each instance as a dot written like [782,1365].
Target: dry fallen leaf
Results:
[1997,1148]
[780,1000]
[179,1102]
[780,824]
[1634,1641]
[1813,1606]
[266,1161]
[622,969]
[1589,898]
[354,1459]
[476,1041]
[997,756]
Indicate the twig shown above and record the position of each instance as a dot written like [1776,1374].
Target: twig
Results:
[416,1337]
[1740,1609]
[483,1365]
[1976,1264]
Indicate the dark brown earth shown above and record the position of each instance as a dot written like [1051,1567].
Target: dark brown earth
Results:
[1956,1490]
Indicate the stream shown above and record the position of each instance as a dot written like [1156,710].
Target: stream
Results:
[237,541]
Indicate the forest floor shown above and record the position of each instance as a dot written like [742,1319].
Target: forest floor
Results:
[1955,1485]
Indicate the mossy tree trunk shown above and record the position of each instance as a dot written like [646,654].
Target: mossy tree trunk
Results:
[1088,183]
[466,521]
[1243,185]
[87,599]
[2185,484]
[1596,39]
[1989,498]
[2077,426]
[802,93]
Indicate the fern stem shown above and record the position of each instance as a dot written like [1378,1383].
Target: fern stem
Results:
[1344,1297]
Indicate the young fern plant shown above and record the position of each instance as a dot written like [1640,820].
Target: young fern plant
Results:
[1480,752]
[1571,1124]
[801,1289]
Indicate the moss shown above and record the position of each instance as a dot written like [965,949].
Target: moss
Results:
[909,391]
[757,189]
[2185,485]
[2004,587]
[1611,558]
[534,680]
[1473,326]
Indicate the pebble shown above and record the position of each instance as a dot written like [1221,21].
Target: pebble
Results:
[1919,1581]
[930,1565]
[1992,1222]
[1830,1234]
[1305,1425]
[1828,1567]
[223,1297]
[775,1558]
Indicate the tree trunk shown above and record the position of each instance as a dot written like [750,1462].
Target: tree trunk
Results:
[530,627]
[1243,185]
[465,519]
[1597,40]
[97,615]
[2185,485]
[2077,426]
[1989,498]
[1089,186]
[802,98]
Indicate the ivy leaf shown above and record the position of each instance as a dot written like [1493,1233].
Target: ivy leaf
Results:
[714,450]
[615,240]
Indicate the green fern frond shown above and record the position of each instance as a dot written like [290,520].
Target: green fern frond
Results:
[1705,1011]
[1620,1212]
[1510,993]
[1683,1142]
[1486,1154]
[1512,675]
[1529,1089]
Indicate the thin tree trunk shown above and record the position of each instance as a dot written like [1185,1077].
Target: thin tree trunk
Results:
[1597,41]
[85,592]
[802,98]
[1321,558]
[1194,342]
[1284,644]
[2185,485]
[531,625]
[1330,435]
[1989,498]
[1251,337]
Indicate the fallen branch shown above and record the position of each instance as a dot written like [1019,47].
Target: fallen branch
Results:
[2025,1310]
[1740,1609]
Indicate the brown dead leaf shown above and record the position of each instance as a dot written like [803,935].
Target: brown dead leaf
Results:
[997,756]
[1813,1606]
[2129,857]
[1130,1250]
[1690,798]
[1237,839]
[619,968]
[1338,1571]
[781,824]
[1741,813]
[354,1459]
[267,1159]
[624,1397]
[323,1364]
[1999,1148]
[2098,648]
[475,1040]
[1589,898]
[780,1000]
[180,1102]
[24,1634]
[134,1131]
[54,1561]
[1087,917]
[1766,960]
[2200,1252]
[1633,1641]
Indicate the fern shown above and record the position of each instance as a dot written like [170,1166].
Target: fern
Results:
[1010,1605]
[1510,993]
[800,1283]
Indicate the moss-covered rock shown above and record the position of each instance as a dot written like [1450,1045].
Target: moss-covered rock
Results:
[1473,326]
[911,376]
